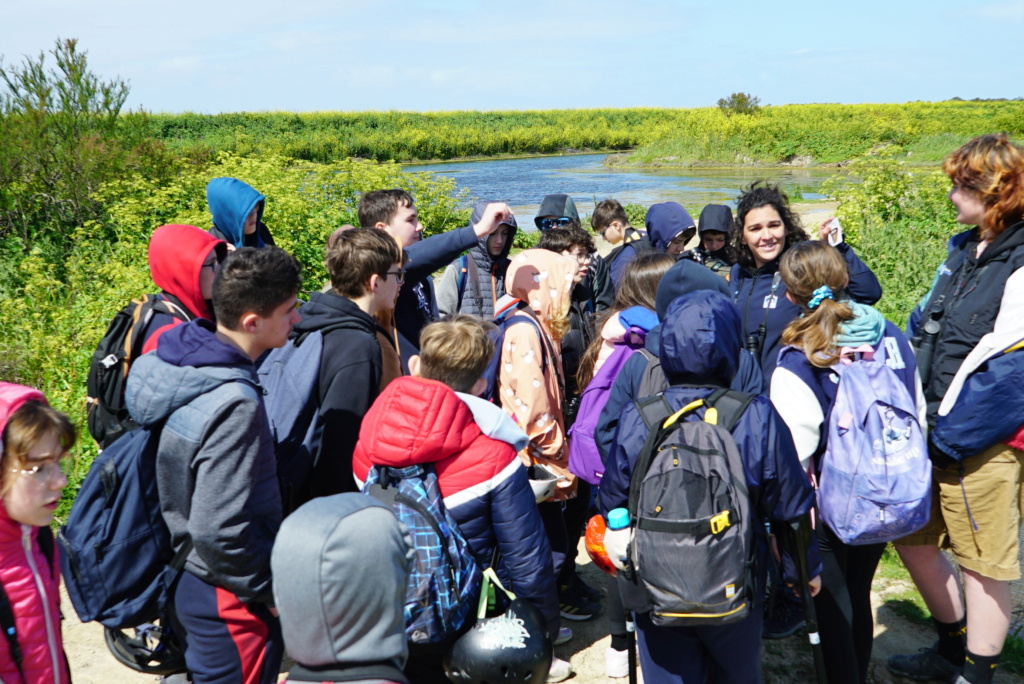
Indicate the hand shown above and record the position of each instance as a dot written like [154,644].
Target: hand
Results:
[814,584]
[495,214]
[824,228]
[273,611]
[616,544]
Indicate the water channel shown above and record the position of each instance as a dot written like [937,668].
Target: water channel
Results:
[524,182]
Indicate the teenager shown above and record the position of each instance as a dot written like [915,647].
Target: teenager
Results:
[237,210]
[972,314]
[475,281]
[366,270]
[215,464]
[34,462]
[436,417]
[394,212]
[803,390]
[609,220]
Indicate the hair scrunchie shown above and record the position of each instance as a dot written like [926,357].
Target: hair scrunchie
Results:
[821,294]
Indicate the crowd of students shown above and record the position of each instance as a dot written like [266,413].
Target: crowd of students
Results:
[756,305]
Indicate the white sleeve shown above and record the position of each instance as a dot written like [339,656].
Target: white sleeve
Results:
[1010,321]
[800,410]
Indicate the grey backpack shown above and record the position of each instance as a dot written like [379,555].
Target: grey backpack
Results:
[693,545]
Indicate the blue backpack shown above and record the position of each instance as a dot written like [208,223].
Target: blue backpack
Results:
[875,479]
[116,554]
[290,376]
[444,581]
[502,322]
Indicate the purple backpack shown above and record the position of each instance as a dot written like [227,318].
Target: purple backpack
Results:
[875,480]
[584,458]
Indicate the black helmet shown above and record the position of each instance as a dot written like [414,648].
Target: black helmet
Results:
[513,647]
[153,648]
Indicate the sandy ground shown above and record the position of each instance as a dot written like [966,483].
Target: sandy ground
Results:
[784,660]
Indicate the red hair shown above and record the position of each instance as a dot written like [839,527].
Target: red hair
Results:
[993,168]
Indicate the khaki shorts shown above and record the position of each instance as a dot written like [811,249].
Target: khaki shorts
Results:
[995,504]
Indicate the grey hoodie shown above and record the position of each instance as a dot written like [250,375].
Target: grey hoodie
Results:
[340,569]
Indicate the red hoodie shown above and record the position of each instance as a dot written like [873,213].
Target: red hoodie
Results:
[176,256]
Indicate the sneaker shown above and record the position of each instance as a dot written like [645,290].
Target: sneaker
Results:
[560,670]
[787,618]
[575,607]
[616,663]
[585,590]
[925,664]
[564,636]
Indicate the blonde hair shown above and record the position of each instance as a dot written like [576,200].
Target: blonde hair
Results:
[456,351]
[805,267]
[32,422]
[992,168]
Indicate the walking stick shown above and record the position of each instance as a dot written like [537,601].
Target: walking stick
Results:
[631,648]
[801,531]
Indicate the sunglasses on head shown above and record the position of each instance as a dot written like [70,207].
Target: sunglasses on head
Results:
[549,223]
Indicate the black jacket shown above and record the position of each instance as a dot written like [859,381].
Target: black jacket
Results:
[350,372]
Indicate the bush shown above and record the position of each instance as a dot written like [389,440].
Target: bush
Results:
[740,103]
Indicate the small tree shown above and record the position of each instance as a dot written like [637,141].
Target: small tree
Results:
[740,103]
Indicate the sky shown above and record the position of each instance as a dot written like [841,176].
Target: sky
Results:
[214,56]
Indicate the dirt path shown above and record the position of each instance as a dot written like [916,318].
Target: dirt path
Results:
[785,661]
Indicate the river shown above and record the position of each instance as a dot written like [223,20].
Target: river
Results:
[524,182]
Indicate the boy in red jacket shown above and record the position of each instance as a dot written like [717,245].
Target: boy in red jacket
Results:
[435,417]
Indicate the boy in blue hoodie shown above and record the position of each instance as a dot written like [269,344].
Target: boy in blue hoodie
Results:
[237,211]
[216,469]
[700,343]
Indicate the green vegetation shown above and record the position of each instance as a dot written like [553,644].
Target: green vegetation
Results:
[740,103]
[830,133]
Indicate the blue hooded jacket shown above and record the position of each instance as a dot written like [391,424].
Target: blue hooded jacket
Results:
[665,221]
[683,278]
[231,201]
[700,346]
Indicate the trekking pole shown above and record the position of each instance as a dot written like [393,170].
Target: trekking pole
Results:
[801,531]
[631,648]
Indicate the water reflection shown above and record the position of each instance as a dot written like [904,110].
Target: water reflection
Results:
[524,182]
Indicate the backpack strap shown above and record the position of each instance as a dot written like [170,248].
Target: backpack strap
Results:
[10,631]
[729,405]
[461,275]
[656,412]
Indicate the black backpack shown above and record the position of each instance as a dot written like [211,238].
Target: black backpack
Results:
[693,544]
[107,414]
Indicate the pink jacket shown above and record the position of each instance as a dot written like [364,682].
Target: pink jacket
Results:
[33,588]
[31,584]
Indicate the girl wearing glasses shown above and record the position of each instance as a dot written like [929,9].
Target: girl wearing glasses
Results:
[34,443]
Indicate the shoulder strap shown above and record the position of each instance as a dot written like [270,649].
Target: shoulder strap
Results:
[10,630]
[729,405]
[461,275]
[341,325]
[473,279]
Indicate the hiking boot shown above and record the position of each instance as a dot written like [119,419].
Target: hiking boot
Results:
[585,590]
[616,663]
[564,636]
[925,664]
[787,618]
[560,670]
[575,607]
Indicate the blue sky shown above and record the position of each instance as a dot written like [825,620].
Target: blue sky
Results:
[309,55]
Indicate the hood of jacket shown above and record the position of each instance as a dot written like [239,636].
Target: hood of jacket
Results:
[327,308]
[556,205]
[191,360]
[479,252]
[12,396]
[684,277]
[716,217]
[231,201]
[415,420]
[176,256]
[340,566]
[494,422]
[665,221]
[544,280]
[701,338]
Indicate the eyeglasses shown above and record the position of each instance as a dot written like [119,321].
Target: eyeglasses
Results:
[582,257]
[399,275]
[549,223]
[45,471]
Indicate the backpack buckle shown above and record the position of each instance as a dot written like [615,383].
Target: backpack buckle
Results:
[109,361]
[720,522]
